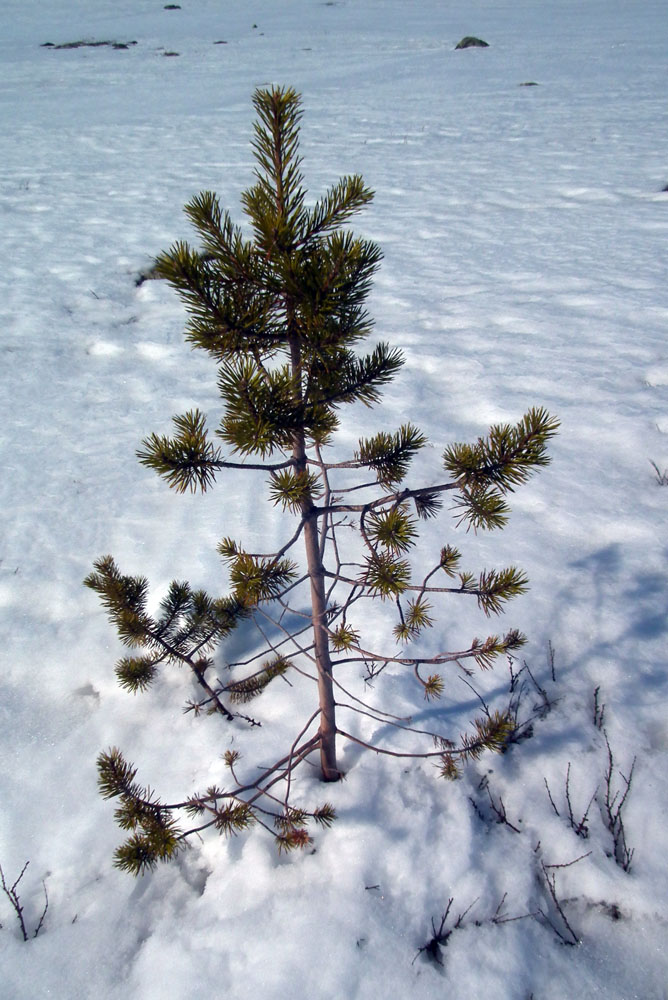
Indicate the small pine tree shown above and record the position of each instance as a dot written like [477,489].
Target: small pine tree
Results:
[281,314]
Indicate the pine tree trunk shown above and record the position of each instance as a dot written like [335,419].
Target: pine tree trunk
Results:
[330,771]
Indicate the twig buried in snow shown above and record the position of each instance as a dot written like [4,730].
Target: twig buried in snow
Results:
[12,894]
[433,949]
[569,936]
[612,807]
[599,710]
[497,808]
[519,688]
[661,477]
[580,826]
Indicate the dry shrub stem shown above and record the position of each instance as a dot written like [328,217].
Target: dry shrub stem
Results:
[12,894]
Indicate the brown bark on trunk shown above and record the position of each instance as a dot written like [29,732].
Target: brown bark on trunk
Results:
[330,771]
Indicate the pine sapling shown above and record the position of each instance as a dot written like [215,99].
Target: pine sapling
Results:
[282,312]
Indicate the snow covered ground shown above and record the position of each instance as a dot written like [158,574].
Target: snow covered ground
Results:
[524,232]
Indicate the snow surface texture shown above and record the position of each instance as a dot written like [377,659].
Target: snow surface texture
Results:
[524,233]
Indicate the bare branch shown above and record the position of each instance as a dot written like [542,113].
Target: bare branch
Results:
[570,937]
[400,496]
[613,805]
[12,894]
[599,710]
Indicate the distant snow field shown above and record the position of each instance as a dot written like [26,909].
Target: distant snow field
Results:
[524,232]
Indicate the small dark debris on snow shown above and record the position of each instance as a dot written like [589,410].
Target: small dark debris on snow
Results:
[665,188]
[611,910]
[529,83]
[172,6]
[171,53]
[87,44]
[469,42]
[221,42]
[150,274]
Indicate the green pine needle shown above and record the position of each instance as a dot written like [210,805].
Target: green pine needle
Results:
[482,507]
[136,674]
[325,815]
[115,775]
[434,687]
[418,616]
[392,529]
[386,576]
[256,579]
[449,560]
[389,455]
[427,504]
[497,586]
[246,690]
[187,461]
[294,839]
[234,818]
[293,489]
[449,767]
[344,637]
[142,852]
[506,457]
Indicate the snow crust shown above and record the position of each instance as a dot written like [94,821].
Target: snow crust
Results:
[524,232]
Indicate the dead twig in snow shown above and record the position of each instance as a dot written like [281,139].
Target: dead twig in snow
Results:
[12,894]
[612,806]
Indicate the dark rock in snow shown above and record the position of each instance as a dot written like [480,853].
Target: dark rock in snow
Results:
[469,42]
[87,44]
